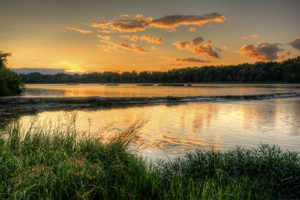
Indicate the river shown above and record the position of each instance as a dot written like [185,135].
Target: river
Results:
[173,129]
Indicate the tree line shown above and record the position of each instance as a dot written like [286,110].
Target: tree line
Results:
[10,82]
[287,71]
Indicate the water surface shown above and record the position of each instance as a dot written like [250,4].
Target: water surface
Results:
[134,90]
[175,129]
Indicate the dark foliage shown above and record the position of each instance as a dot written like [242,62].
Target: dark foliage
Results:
[10,82]
[287,71]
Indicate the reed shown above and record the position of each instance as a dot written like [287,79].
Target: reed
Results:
[66,165]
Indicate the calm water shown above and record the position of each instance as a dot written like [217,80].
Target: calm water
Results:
[133,90]
[173,129]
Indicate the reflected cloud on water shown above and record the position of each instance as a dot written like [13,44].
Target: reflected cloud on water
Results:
[183,128]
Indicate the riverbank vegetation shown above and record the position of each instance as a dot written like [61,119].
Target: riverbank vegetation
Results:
[287,71]
[10,82]
[58,164]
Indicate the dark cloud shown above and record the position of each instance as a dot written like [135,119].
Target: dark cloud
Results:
[197,46]
[172,21]
[296,43]
[190,59]
[139,23]
[264,51]
[131,25]
[38,70]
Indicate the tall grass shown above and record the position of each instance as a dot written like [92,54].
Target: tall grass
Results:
[64,165]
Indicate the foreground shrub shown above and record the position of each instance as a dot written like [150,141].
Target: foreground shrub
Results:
[271,168]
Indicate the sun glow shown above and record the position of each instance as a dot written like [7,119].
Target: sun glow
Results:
[70,67]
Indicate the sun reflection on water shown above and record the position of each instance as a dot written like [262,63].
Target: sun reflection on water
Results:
[175,129]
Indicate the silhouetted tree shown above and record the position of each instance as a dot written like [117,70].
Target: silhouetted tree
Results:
[10,82]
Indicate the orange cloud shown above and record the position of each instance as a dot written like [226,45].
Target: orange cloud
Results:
[147,38]
[125,15]
[139,23]
[190,59]
[128,46]
[101,24]
[198,47]
[226,48]
[139,16]
[264,51]
[192,29]
[104,37]
[106,31]
[154,48]
[108,45]
[139,48]
[82,31]
[133,38]
[133,47]
[151,39]
[250,36]
[175,64]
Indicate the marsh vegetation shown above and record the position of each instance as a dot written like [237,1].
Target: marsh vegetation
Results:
[63,164]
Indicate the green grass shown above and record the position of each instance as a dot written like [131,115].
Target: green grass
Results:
[60,164]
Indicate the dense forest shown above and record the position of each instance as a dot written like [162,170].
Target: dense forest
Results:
[10,82]
[287,71]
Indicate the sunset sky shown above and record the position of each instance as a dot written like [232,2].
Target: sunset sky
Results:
[152,35]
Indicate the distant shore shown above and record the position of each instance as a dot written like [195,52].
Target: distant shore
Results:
[287,71]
